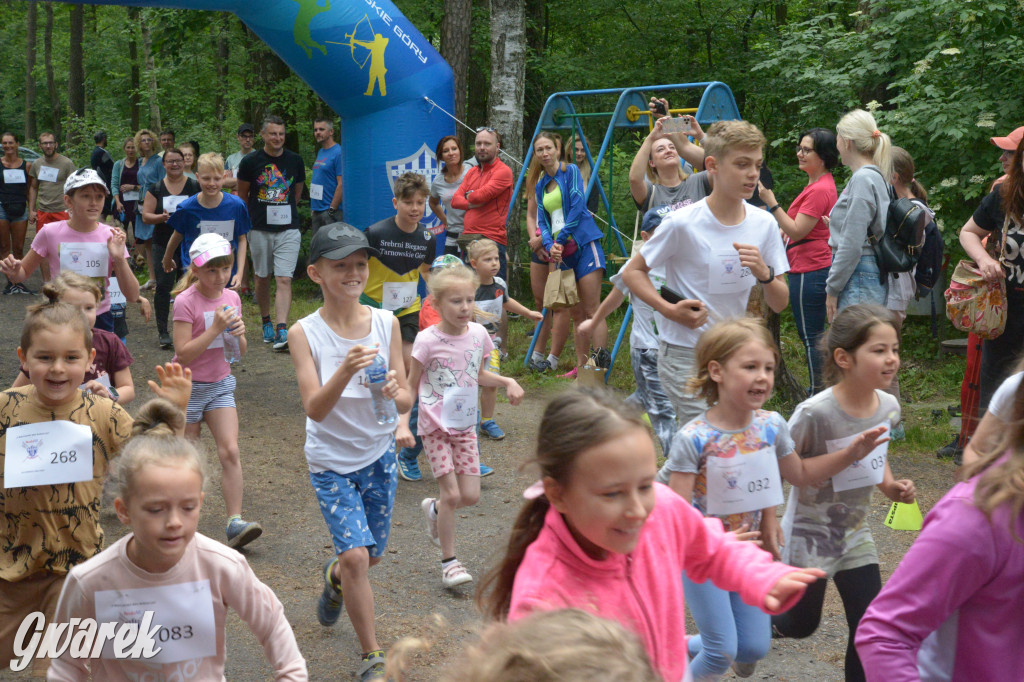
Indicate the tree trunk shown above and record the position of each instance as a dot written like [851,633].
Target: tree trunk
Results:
[505,104]
[155,123]
[223,54]
[476,83]
[30,66]
[51,84]
[455,39]
[134,71]
[76,72]
[786,385]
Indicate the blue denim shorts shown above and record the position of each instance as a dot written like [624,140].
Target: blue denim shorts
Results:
[357,505]
[864,285]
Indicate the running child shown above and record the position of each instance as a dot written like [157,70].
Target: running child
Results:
[598,533]
[187,580]
[643,341]
[110,373]
[208,328]
[726,462]
[826,525]
[491,299]
[210,211]
[713,252]
[952,609]
[57,444]
[351,456]
[447,368]
[81,244]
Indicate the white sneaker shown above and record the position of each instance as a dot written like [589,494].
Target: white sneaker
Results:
[455,574]
[425,505]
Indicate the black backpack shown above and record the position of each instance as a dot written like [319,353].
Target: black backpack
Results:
[900,245]
[929,265]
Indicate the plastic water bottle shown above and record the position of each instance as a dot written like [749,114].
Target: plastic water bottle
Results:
[376,377]
[232,349]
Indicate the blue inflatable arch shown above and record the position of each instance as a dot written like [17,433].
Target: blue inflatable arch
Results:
[371,65]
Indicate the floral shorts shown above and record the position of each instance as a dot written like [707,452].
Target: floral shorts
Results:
[448,452]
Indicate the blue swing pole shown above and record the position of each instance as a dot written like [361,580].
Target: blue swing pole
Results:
[618,341]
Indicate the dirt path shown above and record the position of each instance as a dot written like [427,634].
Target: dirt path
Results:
[407,583]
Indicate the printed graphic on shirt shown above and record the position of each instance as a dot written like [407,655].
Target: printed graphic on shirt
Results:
[272,185]
[394,275]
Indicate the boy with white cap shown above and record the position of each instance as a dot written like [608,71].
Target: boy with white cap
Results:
[81,244]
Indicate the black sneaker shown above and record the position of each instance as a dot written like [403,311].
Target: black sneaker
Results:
[21,289]
[165,340]
[951,450]
[8,289]
[602,358]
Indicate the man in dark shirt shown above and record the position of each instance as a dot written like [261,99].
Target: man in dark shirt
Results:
[270,183]
[101,162]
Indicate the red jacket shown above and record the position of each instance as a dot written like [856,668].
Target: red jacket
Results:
[492,191]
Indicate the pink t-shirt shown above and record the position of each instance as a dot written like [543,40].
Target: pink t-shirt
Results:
[192,307]
[451,365]
[209,571]
[60,237]
[816,200]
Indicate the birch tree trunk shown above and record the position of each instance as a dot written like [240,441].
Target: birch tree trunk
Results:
[505,105]
[455,40]
[135,75]
[155,123]
[51,84]
[30,66]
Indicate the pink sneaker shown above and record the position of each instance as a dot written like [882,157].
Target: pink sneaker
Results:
[568,375]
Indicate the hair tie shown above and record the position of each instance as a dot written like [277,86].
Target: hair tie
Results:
[534,491]
[876,133]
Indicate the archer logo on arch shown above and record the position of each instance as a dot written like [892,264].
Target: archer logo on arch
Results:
[423,162]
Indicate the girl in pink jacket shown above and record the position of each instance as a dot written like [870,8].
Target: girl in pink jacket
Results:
[598,533]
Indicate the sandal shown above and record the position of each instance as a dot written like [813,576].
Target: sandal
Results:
[372,667]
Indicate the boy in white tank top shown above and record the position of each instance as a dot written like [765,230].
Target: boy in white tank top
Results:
[351,457]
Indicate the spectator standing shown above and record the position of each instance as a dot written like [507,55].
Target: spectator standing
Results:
[13,205]
[484,195]
[246,137]
[325,187]
[124,183]
[151,171]
[270,183]
[449,151]
[806,236]
[46,188]
[101,162]
[166,141]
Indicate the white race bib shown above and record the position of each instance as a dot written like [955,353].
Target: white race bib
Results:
[171,202]
[86,258]
[48,173]
[398,295]
[356,387]
[132,195]
[48,453]
[316,192]
[184,613]
[743,483]
[557,222]
[725,274]
[492,308]
[218,341]
[279,215]
[864,472]
[459,408]
[14,176]
[114,291]
[225,228]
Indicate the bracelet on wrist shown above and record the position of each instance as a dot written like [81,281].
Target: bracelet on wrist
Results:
[772,209]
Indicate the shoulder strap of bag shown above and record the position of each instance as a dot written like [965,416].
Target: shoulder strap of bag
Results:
[892,197]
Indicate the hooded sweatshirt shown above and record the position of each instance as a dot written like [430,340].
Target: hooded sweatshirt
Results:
[643,590]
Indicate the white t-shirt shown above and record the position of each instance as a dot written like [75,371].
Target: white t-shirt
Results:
[644,334]
[349,437]
[699,261]
[1001,403]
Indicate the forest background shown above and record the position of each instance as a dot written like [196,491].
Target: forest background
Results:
[941,76]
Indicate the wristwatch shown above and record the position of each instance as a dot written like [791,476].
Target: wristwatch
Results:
[330,211]
[771,275]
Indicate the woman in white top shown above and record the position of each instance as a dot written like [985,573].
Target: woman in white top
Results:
[450,153]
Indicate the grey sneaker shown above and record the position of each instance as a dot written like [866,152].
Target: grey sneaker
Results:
[329,607]
[744,669]
[241,533]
